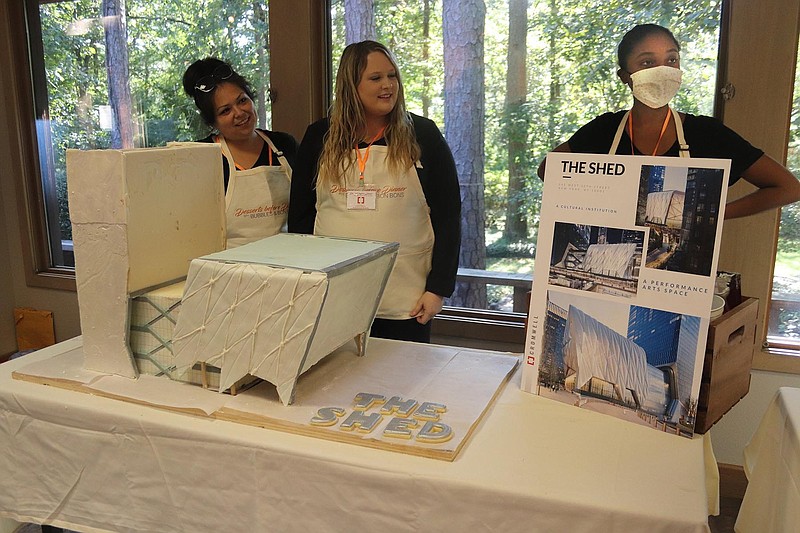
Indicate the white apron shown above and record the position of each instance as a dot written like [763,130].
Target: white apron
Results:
[683,148]
[257,200]
[401,215]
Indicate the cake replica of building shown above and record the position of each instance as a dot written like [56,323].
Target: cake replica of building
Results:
[273,308]
[144,219]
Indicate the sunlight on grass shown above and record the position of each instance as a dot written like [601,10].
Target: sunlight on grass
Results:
[501,298]
[786,280]
[510,264]
[784,323]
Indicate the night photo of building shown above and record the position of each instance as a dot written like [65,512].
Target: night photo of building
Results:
[596,258]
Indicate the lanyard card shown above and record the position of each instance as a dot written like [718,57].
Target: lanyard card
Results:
[361,199]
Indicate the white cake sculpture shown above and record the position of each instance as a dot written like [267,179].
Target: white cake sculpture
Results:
[144,219]
[275,307]
[139,217]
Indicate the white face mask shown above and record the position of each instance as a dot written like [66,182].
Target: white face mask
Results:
[656,86]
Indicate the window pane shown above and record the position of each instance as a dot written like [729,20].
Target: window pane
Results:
[140,49]
[784,313]
[565,57]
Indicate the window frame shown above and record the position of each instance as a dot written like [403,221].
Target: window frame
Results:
[36,254]
[775,110]
[298,19]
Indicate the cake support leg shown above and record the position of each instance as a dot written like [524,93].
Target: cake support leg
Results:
[203,376]
[361,343]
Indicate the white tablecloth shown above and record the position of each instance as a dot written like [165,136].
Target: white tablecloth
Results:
[772,464]
[97,464]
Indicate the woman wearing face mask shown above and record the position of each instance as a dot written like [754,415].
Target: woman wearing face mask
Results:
[372,170]
[256,163]
[649,63]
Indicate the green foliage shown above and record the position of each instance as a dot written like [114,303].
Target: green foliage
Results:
[503,248]
[789,234]
[495,180]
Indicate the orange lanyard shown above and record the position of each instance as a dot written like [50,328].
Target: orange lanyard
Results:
[362,161]
[663,129]
[240,167]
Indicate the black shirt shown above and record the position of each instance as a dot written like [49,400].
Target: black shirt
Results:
[707,138]
[284,142]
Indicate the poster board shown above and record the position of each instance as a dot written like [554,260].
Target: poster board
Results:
[623,284]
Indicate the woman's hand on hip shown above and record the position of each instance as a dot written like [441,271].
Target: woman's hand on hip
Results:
[428,306]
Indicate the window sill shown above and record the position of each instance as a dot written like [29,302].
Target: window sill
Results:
[55,278]
[490,326]
[773,359]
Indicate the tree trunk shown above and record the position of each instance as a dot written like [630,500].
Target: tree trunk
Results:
[359,20]
[426,36]
[553,106]
[260,21]
[463,30]
[516,227]
[119,91]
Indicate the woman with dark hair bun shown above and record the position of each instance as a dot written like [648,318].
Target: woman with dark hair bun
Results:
[650,64]
[257,164]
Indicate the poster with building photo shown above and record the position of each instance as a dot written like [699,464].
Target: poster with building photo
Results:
[623,285]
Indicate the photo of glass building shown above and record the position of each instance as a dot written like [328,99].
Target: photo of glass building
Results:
[649,368]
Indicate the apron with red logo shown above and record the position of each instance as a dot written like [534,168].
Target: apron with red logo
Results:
[257,199]
[399,213]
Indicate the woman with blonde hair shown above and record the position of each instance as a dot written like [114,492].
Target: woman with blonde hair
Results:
[372,170]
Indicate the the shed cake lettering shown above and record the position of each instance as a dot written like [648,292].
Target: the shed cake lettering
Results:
[410,419]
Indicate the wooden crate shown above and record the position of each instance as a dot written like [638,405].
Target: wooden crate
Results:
[728,360]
